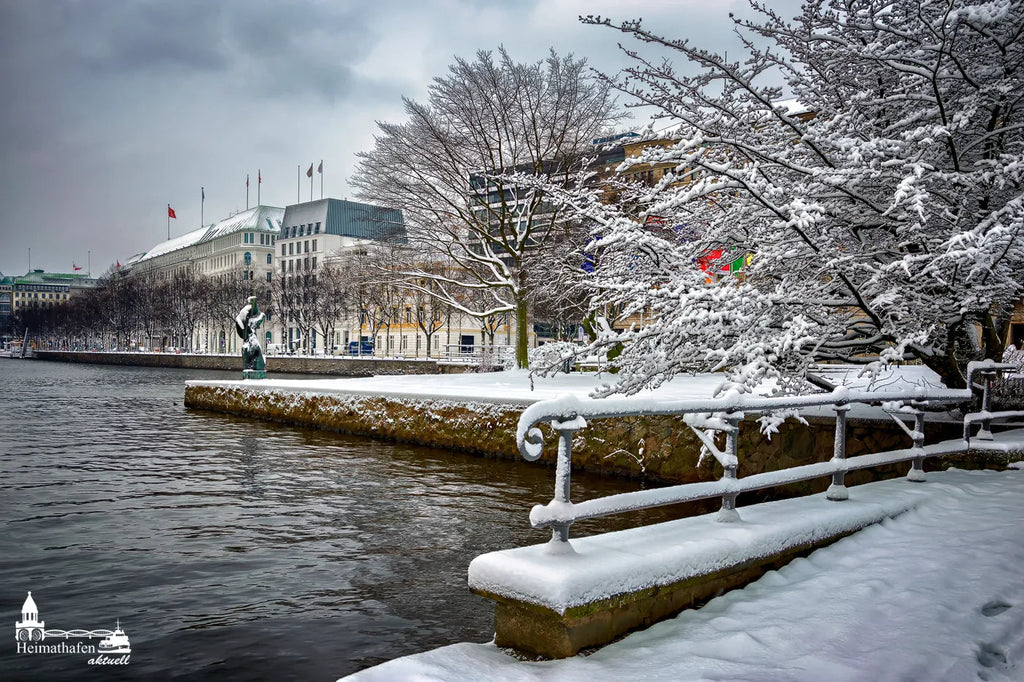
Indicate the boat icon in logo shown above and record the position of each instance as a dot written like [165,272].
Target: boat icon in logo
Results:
[115,643]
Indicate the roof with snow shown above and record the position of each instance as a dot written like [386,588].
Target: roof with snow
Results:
[258,219]
[179,242]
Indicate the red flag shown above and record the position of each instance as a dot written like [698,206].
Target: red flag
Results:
[259,177]
[309,173]
[246,179]
[170,212]
[76,268]
[118,263]
[320,168]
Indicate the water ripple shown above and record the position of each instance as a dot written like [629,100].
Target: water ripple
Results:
[238,549]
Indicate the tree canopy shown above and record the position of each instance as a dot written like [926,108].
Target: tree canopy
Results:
[876,212]
[448,168]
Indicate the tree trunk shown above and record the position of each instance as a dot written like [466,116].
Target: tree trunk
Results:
[522,335]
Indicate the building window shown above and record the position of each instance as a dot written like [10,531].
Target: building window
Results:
[248,258]
[291,249]
[283,250]
[306,245]
[302,230]
[314,245]
[291,266]
[270,259]
[268,277]
[317,231]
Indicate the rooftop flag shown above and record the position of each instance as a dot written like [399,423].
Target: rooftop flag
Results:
[246,179]
[76,268]
[259,177]
[170,212]
[309,173]
[320,168]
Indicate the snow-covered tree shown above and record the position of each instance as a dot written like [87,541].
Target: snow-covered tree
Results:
[881,206]
[446,167]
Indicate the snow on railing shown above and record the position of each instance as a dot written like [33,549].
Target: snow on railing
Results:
[569,414]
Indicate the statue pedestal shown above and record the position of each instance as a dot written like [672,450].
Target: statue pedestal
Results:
[254,374]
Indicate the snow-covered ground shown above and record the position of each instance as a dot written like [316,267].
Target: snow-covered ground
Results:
[936,593]
[518,387]
[507,387]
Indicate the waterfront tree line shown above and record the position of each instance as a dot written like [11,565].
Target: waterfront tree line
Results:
[367,289]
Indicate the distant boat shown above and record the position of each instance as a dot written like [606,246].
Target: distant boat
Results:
[11,349]
[115,643]
[15,348]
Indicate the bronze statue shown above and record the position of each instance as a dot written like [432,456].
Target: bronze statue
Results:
[247,322]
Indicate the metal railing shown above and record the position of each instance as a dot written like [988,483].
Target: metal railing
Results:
[483,355]
[569,414]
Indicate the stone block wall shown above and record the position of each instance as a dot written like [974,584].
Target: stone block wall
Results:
[282,364]
[659,449]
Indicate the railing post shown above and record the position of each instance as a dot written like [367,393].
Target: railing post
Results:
[916,473]
[838,491]
[985,433]
[728,513]
[566,429]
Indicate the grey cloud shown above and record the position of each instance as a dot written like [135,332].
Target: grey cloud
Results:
[114,108]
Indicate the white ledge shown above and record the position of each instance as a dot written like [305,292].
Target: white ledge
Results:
[623,562]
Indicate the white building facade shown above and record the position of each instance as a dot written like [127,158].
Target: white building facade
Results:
[241,247]
[271,246]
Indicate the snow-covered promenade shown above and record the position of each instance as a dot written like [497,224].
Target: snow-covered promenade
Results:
[934,594]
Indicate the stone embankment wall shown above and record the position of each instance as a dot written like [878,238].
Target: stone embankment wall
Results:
[657,448]
[285,365]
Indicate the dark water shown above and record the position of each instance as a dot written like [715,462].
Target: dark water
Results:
[234,549]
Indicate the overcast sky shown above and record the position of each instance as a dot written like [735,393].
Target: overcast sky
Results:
[112,109]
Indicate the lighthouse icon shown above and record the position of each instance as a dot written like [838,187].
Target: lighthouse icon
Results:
[30,628]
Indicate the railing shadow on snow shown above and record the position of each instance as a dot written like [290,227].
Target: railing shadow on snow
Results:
[708,417]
